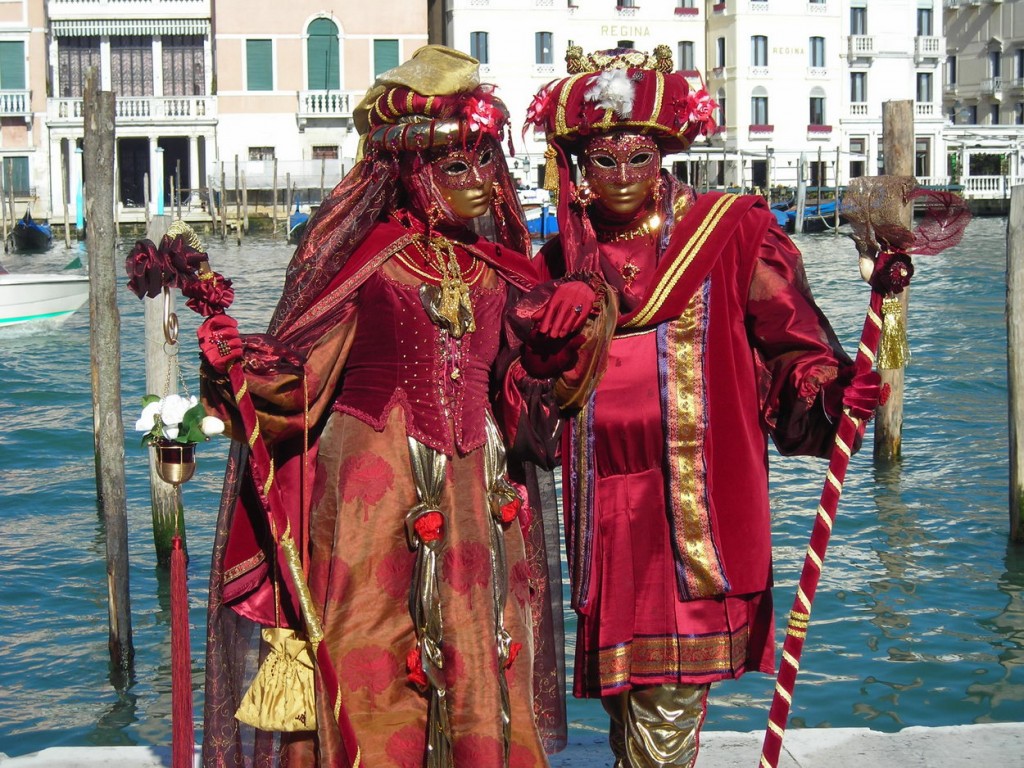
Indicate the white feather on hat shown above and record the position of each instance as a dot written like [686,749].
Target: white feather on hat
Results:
[612,89]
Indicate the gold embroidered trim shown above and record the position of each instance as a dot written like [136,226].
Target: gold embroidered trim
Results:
[686,256]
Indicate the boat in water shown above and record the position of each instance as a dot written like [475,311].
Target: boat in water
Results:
[34,298]
[541,221]
[297,221]
[29,235]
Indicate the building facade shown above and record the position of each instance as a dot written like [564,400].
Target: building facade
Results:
[23,152]
[157,58]
[287,83]
[983,94]
[214,93]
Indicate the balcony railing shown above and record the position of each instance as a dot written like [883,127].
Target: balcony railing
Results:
[992,85]
[1017,84]
[140,109]
[314,104]
[862,46]
[924,109]
[859,109]
[821,8]
[927,48]
[15,104]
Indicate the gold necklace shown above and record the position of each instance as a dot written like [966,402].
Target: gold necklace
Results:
[646,227]
[449,305]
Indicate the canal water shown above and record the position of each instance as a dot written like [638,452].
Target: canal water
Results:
[919,618]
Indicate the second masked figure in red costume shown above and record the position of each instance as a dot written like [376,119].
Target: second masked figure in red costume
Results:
[683,335]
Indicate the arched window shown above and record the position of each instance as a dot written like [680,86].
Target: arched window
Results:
[323,62]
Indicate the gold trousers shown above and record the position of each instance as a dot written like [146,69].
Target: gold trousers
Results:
[656,726]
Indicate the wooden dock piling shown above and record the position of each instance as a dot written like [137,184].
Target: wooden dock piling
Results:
[1015,357]
[104,336]
[898,151]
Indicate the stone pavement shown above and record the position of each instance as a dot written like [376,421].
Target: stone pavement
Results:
[996,745]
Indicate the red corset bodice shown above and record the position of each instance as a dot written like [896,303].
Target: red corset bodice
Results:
[400,358]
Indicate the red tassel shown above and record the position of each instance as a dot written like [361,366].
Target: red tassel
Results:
[182,728]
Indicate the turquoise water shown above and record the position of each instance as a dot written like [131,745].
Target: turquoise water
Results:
[919,618]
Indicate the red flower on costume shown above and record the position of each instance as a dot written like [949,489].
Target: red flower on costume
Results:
[429,526]
[467,565]
[146,267]
[394,573]
[209,294]
[414,668]
[538,109]
[366,478]
[370,667]
[405,747]
[483,116]
[702,111]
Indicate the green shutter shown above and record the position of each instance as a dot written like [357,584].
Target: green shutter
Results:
[12,65]
[259,65]
[385,56]
[16,175]
[322,56]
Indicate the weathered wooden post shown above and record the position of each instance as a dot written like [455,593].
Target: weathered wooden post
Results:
[245,210]
[898,153]
[64,194]
[274,213]
[145,199]
[238,204]
[223,205]
[104,343]
[161,379]
[213,206]
[1015,356]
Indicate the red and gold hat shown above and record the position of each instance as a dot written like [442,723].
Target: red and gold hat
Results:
[620,89]
[433,100]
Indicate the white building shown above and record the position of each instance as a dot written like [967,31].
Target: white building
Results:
[796,79]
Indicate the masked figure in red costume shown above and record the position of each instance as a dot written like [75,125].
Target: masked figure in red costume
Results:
[684,334]
[373,387]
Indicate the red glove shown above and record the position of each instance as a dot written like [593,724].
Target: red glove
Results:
[566,311]
[545,358]
[862,394]
[219,342]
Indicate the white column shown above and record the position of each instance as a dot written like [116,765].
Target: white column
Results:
[156,178]
[195,173]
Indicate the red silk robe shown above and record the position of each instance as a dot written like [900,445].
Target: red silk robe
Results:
[665,471]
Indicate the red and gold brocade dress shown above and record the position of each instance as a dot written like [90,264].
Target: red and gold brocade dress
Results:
[400,377]
[665,472]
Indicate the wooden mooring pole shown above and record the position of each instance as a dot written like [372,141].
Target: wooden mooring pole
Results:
[898,155]
[1015,356]
[105,345]
[161,379]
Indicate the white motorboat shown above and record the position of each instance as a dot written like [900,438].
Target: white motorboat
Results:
[53,297]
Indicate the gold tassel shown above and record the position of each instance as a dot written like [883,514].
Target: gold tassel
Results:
[551,173]
[281,697]
[893,349]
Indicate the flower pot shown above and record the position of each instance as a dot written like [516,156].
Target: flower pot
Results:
[175,462]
